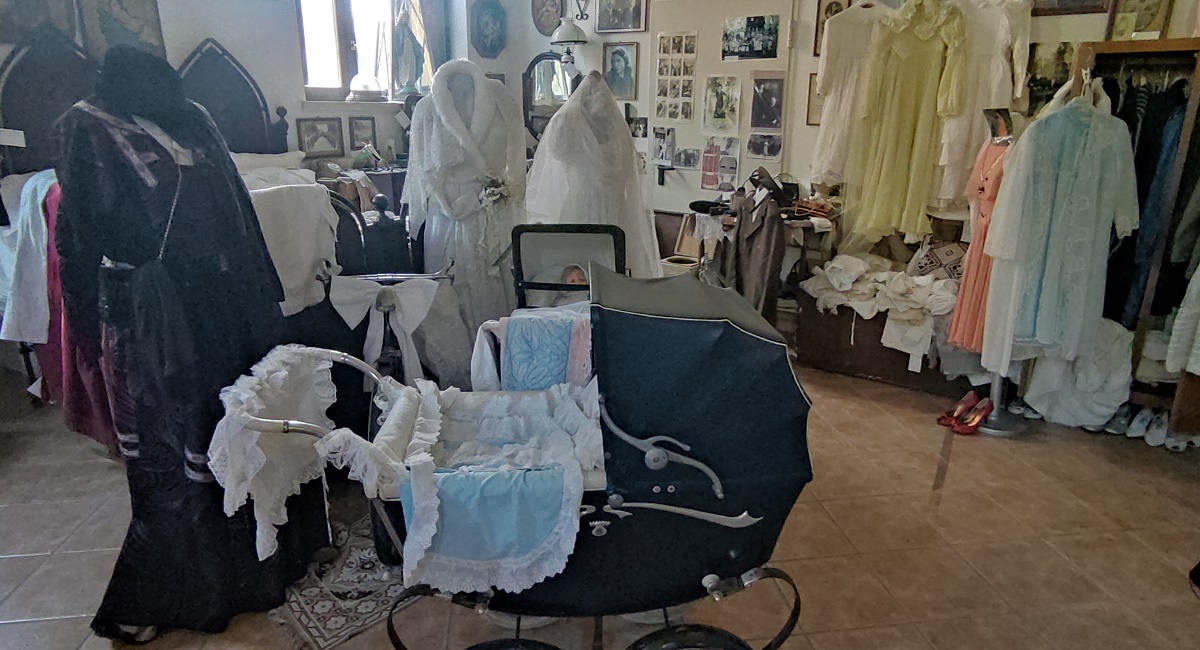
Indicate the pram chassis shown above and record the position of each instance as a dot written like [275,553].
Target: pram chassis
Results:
[610,553]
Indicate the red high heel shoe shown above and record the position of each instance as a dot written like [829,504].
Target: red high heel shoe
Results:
[970,421]
[965,404]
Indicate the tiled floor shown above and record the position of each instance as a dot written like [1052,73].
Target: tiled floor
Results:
[908,538]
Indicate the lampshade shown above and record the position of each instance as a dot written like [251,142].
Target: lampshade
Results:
[568,33]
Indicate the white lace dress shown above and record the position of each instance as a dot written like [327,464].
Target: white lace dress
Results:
[843,51]
[997,57]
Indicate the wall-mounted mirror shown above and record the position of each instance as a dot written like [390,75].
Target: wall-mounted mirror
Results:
[546,87]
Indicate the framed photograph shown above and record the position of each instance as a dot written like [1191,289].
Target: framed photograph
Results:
[664,67]
[689,44]
[826,9]
[362,133]
[686,88]
[489,28]
[321,137]
[687,158]
[767,146]
[750,37]
[685,111]
[638,126]
[546,15]
[620,69]
[1137,20]
[1050,67]
[664,44]
[119,22]
[19,17]
[621,15]
[722,103]
[815,102]
[664,146]
[1069,7]
[719,163]
[660,108]
[766,108]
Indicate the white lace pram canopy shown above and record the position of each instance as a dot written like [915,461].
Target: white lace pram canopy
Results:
[467,467]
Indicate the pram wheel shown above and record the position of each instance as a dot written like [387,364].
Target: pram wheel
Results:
[513,644]
[689,637]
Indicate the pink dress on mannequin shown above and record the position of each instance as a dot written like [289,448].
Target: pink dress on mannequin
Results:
[966,325]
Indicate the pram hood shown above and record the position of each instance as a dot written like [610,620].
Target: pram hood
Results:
[680,358]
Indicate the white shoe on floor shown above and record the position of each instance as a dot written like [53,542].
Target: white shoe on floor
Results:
[1156,433]
[1119,422]
[1178,444]
[1139,424]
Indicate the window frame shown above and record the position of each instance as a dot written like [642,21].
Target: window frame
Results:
[347,55]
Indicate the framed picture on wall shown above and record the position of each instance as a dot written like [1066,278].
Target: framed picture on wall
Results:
[546,15]
[620,69]
[826,9]
[320,137]
[107,23]
[19,17]
[1136,20]
[621,15]
[1069,7]
[489,28]
[815,102]
[362,133]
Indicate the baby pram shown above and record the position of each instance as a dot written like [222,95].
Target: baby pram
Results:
[704,454]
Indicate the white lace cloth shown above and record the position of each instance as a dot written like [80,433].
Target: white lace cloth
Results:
[491,482]
[290,383]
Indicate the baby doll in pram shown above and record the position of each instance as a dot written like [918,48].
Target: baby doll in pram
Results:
[665,480]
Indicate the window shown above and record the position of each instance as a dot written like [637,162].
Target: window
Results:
[347,45]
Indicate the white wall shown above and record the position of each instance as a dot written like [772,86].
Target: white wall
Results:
[264,36]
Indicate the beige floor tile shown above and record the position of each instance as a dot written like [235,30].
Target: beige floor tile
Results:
[40,528]
[809,532]
[935,583]
[1110,627]
[1029,574]
[1178,622]
[901,637]
[795,642]
[824,438]
[1064,462]
[882,523]
[910,470]
[987,462]
[252,631]
[105,529]
[1050,509]
[1127,502]
[842,593]
[88,481]
[424,624]
[65,633]
[845,475]
[752,613]
[993,633]
[1177,545]
[14,571]
[70,584]
[968,515]
[619,633]
[1127,569]
[51,443]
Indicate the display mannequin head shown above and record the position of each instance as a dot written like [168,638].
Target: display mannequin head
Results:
[134,82]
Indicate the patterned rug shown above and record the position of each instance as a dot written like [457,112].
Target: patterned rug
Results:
[343,597]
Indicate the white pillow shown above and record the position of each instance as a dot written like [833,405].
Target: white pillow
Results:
[268,177]
[248,161]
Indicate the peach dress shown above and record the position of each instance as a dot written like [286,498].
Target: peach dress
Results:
[966,325]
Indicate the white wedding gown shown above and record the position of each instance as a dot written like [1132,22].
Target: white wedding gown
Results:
[586,172]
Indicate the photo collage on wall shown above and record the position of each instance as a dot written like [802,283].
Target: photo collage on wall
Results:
[675,90]
[766,116]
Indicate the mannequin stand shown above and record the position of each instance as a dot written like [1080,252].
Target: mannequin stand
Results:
[1001,423]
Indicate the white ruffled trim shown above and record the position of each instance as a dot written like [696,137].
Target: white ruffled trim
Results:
[235,455]
[424,520]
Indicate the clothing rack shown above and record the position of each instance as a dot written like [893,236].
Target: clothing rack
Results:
[1121,57]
